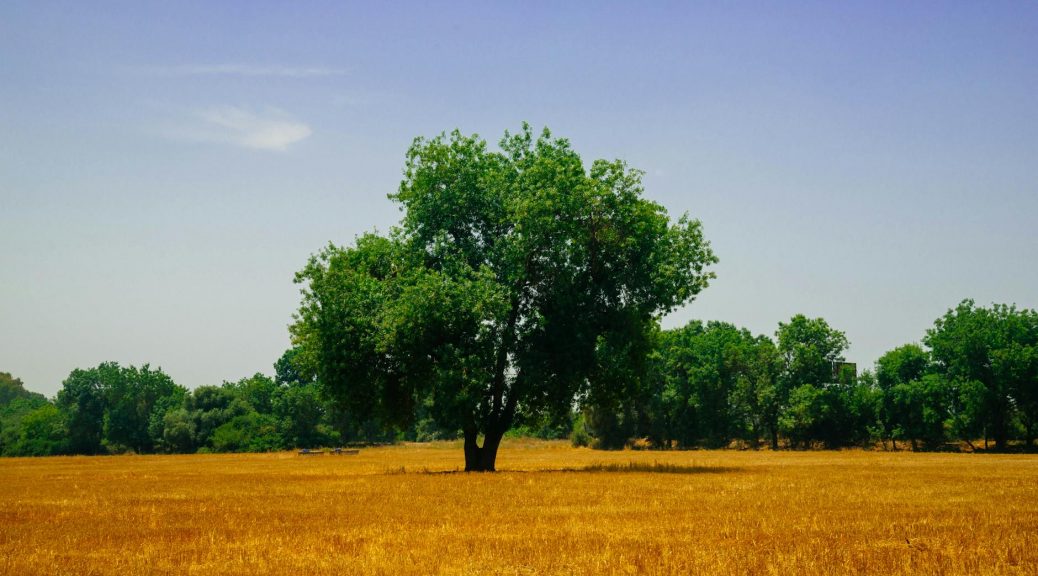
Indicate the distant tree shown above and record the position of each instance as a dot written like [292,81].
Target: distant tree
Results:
[205,409]
[296,375]
[899,374]
[712,378]
[15,403]
[808,390]
[250,432]
[180,431]
[12,388]
[808,409]
[809,347]
[761,391]
[134,396]
[988,356]
[157,421]
[864,403]
[920,408]
[299,412]
[42,433]
[83,402]
[902,364]
[257,390]
[510,274]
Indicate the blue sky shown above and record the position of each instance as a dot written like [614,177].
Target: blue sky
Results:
[165,168]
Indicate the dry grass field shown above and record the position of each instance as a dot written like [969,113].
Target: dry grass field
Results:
[552,510]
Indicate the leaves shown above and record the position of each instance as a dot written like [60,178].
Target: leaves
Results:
[510,274]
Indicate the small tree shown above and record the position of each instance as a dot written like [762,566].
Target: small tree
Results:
[510,271]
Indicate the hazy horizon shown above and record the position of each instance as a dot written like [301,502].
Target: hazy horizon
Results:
[166,169]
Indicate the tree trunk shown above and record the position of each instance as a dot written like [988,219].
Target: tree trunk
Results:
[774,439]
[1001,430]
[481,458]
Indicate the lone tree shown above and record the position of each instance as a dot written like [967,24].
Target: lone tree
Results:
[516,281]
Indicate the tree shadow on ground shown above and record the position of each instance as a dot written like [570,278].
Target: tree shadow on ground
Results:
[652,467]
[598,467]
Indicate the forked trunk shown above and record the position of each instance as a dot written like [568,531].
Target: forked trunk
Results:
[481,458]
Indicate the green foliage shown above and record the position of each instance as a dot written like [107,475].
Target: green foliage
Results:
[12,389]
[714,378]
[510,273]
[134,397]
[809,347]
[116,408]
[920,410]
[180,431]
[15,403]
[41,433]
[580,436]
[300,413]
[611,427]
[901,365]
[82,400]
[814,407]
[991,357]
[250,432]
[258,391]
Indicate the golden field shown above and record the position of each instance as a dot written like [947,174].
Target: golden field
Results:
[551,510]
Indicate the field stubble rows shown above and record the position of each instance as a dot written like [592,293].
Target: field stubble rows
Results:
[551,510]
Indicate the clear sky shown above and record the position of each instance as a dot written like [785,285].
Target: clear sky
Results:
[166,167]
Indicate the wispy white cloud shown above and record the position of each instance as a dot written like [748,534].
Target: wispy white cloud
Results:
[246,70]
[268,129]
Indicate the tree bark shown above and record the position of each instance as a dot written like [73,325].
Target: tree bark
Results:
[482,458]
[471,449]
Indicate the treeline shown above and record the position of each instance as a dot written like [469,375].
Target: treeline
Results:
[974,378]
[120,409]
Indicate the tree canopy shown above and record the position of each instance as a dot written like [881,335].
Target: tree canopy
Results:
[509,274]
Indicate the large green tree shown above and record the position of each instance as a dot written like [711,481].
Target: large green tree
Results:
[509,274]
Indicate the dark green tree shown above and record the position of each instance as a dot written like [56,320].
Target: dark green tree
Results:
[83,402]
[714,381]
[919,410]
[510,271]
[988,356]
[15,403]
[42,433]
[809,389]
[134,397]
[258,391]
[300,413]
[902,408]
[249,432]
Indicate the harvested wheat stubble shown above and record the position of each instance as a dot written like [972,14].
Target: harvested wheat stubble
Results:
[551,510]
